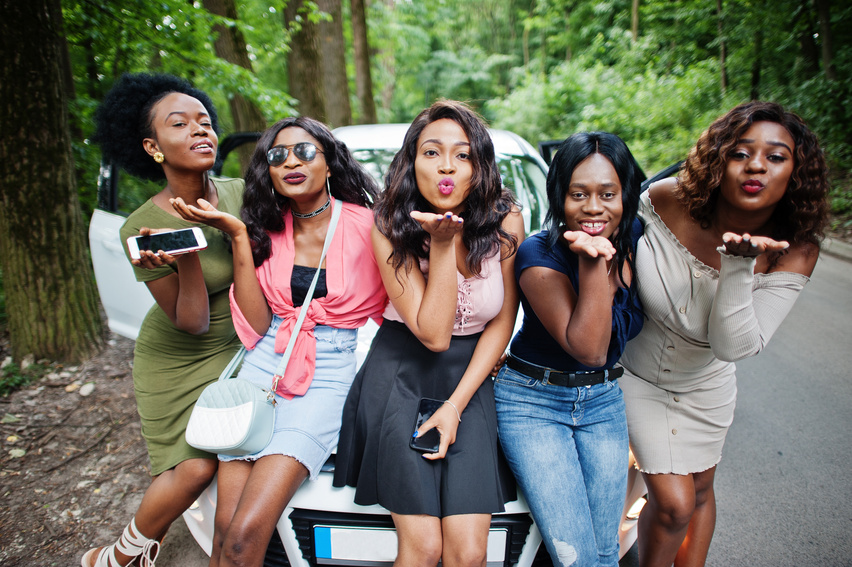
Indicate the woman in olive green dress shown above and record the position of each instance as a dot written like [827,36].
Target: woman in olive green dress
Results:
[159,127]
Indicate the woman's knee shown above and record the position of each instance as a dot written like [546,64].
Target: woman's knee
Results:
[241,545]
[422,548]
[673,503]
[197,473]
[466,540]
[704,487]
[465,555]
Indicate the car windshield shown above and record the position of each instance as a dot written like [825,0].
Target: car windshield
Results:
[376,162]
[527,181]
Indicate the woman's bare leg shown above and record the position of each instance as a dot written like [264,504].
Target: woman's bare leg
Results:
[466,540]
[665,518]
[168,496]
[270,485]
[420,541]
[693,550]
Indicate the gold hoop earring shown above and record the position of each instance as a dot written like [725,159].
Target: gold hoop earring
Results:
[159,157]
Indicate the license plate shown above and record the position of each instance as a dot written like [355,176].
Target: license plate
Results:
[339,545]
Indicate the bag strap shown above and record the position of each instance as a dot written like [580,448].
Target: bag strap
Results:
[282,366]
[229,370]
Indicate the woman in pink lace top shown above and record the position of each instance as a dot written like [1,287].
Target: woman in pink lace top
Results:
[445,239]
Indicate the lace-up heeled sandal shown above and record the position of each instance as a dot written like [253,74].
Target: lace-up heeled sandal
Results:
[131,543]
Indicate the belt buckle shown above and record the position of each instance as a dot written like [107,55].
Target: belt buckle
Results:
[546,380]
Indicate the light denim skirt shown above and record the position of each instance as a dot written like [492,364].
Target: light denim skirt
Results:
[307,427]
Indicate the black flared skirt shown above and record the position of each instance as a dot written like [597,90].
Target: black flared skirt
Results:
[373,454]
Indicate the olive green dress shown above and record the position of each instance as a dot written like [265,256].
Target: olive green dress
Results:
[171,367]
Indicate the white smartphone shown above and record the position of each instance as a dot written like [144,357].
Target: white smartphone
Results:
[173,242]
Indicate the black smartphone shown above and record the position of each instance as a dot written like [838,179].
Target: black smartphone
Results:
[430,441]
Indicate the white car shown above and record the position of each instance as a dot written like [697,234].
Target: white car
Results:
[322,525]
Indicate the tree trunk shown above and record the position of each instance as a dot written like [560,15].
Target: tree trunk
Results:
[51,300]
[303,62]
[333,57]
[809,50]
[363,74]
[826,39]
[568,53]
[634,20]
[230,45]
[723,48]
[756,64]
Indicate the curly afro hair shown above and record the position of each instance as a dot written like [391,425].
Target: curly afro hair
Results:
[802,214]
[123,120]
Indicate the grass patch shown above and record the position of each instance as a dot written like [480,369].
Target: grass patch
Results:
[12,377]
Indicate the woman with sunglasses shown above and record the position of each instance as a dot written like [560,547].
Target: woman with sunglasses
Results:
[445,239]
[160,128]
[298,174]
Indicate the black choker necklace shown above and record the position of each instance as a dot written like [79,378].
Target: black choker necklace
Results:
[312,213]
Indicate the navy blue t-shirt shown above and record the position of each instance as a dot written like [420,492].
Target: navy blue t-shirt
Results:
[534,344]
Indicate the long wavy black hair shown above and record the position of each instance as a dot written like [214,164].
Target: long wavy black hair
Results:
[568,156]
[263,207]
[124,119]
[487,203]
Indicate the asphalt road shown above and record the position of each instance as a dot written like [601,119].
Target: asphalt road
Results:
[784,486]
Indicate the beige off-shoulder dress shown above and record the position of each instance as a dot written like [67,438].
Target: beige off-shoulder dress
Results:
[679,383]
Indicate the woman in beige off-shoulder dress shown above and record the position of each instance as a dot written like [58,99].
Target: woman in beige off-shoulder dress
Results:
[727,248]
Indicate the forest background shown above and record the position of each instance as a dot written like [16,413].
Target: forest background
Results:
[656,72]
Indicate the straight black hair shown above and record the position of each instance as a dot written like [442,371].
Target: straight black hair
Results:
[569,155]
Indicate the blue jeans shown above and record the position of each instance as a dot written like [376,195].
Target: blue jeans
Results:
[568,449]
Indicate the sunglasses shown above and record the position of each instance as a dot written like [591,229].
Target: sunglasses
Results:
[305,151]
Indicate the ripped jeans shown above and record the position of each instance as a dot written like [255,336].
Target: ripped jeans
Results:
[568,450]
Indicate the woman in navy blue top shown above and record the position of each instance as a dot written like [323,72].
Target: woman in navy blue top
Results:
[559,408]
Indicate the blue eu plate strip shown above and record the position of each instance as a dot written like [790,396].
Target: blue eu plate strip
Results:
[322,542]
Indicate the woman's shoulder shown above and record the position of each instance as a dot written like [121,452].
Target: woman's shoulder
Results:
[229,183]
[665,203]
[357,213]
[537,251]
[230,191]
[535,243]
[799,259]
[663,196]
[147,214]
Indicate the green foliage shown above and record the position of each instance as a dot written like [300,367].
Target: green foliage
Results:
[543,68]
[569,65]
[12,377]
[659,116]
[108,39]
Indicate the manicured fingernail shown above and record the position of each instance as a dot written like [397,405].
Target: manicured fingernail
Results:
[415,434]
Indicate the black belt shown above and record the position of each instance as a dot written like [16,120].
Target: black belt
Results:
[567,379]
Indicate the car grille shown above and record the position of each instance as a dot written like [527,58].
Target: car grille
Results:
[517,527]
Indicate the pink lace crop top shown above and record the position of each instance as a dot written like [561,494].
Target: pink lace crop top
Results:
[480,298]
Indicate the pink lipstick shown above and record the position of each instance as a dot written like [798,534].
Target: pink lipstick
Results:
[752,186]
[446,186]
